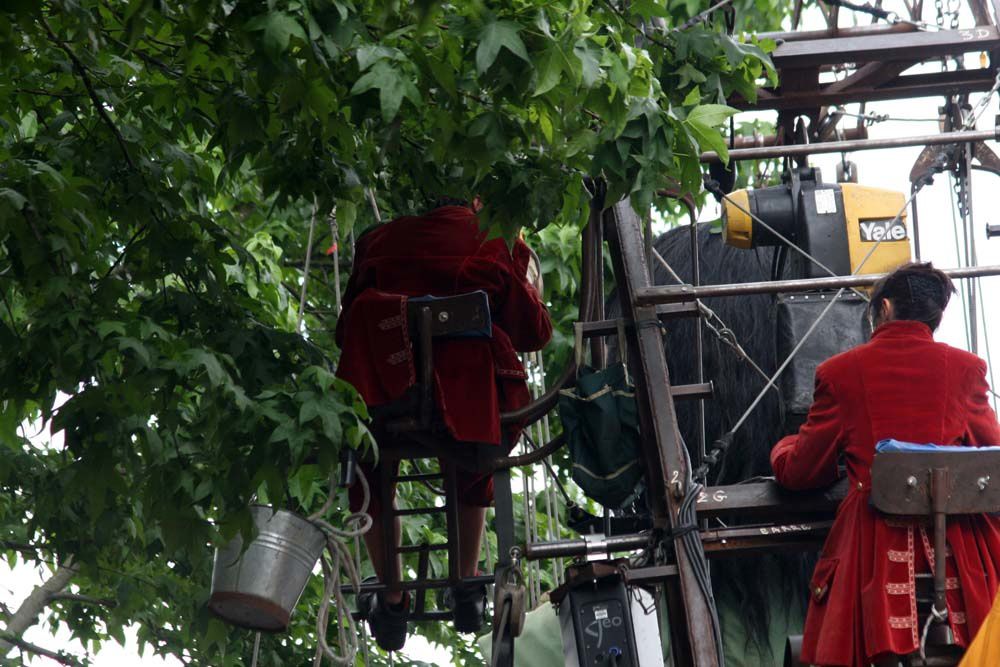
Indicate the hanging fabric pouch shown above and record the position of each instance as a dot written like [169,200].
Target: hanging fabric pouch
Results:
[600,419]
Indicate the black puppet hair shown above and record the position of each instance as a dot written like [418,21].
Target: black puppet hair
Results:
[752,584]
[918,292]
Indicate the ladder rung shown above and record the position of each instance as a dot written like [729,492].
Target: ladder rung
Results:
[417,548]
[419,477]
[419,510]
[692,391]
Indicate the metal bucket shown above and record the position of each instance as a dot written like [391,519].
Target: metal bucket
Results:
[260,588]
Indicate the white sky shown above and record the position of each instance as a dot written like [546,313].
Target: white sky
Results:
[885,168]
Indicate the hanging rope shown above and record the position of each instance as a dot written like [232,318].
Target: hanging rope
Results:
[305,276]
[256,650]
[339,557]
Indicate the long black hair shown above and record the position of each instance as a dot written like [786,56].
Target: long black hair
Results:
[752,322]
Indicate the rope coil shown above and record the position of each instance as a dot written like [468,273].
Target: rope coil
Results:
[339,558]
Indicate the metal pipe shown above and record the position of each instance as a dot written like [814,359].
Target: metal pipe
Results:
[855,145]
[663,294]
[597,544]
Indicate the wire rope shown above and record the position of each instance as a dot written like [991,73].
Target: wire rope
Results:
[958,260]
[986,339]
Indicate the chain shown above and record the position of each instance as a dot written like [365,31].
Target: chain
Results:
[953,8]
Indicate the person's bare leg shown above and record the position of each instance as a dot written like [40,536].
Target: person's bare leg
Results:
[376,551]
[471,521]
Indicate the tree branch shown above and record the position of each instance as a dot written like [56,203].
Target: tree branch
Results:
[89,85]
[60,657]
[32,607]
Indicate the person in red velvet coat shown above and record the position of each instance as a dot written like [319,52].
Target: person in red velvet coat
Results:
[441,253]
[901,385]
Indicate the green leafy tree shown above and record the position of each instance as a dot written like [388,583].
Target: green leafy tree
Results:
[162,167]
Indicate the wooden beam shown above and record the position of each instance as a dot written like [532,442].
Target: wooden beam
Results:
[915,47]
[915,85]
[767,500]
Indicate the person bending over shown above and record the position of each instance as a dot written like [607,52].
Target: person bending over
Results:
[902,385]
[441,253]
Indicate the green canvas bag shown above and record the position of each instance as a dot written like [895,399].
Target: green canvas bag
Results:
[601,423]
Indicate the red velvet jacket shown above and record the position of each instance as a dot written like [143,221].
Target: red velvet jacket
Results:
[442,253]
[905,386]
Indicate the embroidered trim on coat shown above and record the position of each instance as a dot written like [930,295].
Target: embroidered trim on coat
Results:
[898,556]
[898,589]
[951,583]
[958,617]
[914,636]
[928,549]
[394,322]
[900,623]
[398,357]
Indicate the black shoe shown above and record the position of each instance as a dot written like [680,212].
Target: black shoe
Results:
[387,621]
[468,604]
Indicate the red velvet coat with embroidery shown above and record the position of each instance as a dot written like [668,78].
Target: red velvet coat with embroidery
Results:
[900,385]
[442,253]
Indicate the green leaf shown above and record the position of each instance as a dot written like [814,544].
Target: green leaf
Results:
[141,353]
[589,56]
[391,85]
[29,126]
[15,198]
[548,71]
[649,8]
[278,29]
[104,329]
[347,214]
[709,138]
[369,54]
[694,97]
[494,36]
[205,359]
[711,115]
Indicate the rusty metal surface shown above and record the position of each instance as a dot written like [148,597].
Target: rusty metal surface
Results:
[829,33]
[901,482]
[767,500]
[858,145]
[902,87]
[663,447]
[770,537]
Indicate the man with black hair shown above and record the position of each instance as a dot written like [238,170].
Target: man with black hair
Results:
[900,385]
[441,253]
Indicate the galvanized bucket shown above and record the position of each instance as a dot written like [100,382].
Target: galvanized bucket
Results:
[260,588]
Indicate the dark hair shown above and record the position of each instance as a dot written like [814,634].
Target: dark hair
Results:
[438,202]
[918,292]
